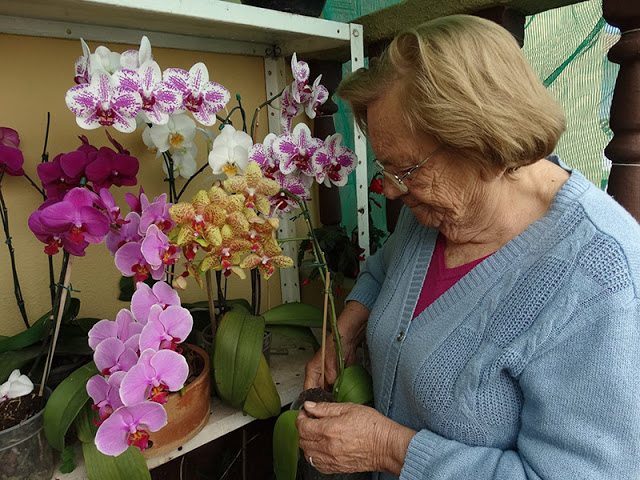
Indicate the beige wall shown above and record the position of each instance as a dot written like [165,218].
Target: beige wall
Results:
[35,75]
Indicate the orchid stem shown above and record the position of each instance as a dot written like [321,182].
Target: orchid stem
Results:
[212,311]
[17,290]
[45,155]
[33,184]
[257,110]
[43,159]
[324,273]
[184,187]
[61,299]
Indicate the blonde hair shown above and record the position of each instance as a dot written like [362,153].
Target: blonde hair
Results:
[465,81]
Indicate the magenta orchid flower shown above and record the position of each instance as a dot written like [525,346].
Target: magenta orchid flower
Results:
[11,159]
[294,150]
[64,172]
[166,328]
[200,96]
[125,328]
[128,232]
[130,426]
[155,375]
[158,99]
[334,162]
[157,250]
[110,207]
[103,103]
[77,217]
[112,355]
[111,168]
[54,242]
[105,394]
[131,263]
[146,297]
[262,154]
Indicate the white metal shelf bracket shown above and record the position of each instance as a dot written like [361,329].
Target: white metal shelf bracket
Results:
[360,147]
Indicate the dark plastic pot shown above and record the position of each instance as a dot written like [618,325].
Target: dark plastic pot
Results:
[310,8]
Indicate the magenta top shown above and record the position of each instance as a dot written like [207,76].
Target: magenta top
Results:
[439,278]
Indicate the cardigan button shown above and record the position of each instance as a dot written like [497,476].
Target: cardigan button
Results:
[400,336]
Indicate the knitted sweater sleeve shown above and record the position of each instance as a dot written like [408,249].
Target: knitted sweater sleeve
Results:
[580,417]
[374,272]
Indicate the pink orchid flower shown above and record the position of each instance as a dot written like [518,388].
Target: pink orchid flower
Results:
[200,96]
[294,150]
[9,137]
[262,154]
[103,103]
[155,375]
[146,297]
[128,232]
[281,202]
[131,263]
[112,355]
[300,71]
[166,328]
[130,426]
[334,161]
[158,98]
[76,216]
[124,328]
[157,250]
[105,394]
[156,213]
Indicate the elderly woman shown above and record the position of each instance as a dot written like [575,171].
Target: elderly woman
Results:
[502,315]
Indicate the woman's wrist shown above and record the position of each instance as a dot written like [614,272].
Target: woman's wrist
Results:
[393,447]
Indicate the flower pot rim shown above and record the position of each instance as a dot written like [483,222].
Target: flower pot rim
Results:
[32,418]
[205,370]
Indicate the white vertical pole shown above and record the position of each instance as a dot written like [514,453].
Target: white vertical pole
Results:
[274,69]
[360,146]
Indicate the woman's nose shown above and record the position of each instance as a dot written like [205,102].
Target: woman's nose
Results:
[390,191]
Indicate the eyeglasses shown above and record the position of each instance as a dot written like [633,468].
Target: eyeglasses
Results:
[396,181]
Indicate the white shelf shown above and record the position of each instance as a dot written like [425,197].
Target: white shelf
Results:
[206,25]
[287,369]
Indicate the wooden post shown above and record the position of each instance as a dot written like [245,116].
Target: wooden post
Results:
[624,148]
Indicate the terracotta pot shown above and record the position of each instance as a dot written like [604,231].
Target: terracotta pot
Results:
[186,414]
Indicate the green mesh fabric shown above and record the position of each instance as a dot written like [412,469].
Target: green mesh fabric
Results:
[567,48]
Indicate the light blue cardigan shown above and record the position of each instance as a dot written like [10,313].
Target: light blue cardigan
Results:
[529,366]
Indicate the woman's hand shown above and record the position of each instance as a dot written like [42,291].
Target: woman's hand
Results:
[351,325]
[346,437]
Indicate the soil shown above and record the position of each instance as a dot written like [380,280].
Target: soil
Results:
[195,362]
[16,410]
[317,395]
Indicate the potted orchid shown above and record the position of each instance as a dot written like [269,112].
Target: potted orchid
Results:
[224,230]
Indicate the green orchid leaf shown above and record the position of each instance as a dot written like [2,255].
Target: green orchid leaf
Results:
[296,314]
[67,457]
[354,385]
[303,334]
[237,354]
[263,400]
[285,446]
[9,361]
[65,403]
[129,465]
[84,423]
[34,334]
